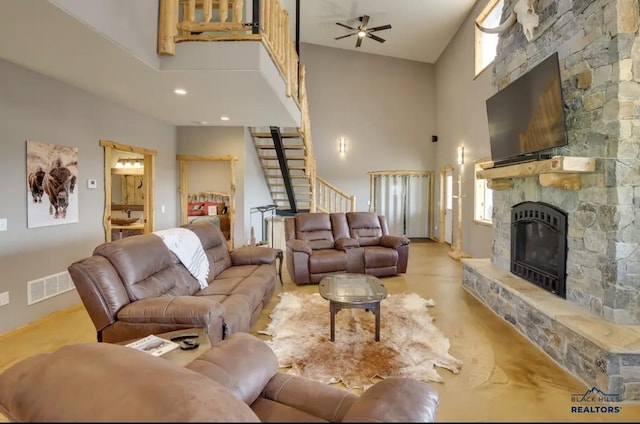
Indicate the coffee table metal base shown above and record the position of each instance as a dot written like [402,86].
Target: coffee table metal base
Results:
[336,307]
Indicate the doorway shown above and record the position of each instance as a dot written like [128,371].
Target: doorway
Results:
[203,184]
[446,205]
[129,188]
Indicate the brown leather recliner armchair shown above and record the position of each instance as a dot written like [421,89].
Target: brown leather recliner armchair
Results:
[237,380]
[321,244]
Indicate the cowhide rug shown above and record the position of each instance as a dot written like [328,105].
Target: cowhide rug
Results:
[410,345]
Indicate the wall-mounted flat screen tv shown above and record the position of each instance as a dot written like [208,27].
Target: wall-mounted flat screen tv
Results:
[527,116]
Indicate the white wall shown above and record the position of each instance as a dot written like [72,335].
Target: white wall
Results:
[385,107]
[461,120]
[34,107]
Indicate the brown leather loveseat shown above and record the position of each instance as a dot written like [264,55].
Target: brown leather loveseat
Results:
[236,381]
[136,286]
[320,244]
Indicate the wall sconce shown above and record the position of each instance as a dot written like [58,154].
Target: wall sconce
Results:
[343,145]
[130,163]
[460,155]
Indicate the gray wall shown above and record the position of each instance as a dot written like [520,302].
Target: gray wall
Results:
[461,120]
[133,25]
[384,107]
[34,107]
[251,189]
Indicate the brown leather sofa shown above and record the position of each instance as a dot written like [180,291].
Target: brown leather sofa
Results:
[136,286]
[320,244]
[236,381]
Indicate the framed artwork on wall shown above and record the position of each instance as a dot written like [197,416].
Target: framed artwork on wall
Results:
[52,171]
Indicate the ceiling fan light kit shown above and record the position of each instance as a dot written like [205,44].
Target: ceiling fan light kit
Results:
[362,31]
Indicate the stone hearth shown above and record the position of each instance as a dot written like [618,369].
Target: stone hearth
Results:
[598,352]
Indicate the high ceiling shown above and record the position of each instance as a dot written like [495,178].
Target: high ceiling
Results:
[44,36]
[420,29]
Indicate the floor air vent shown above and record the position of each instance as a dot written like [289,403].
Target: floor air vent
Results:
[47,287]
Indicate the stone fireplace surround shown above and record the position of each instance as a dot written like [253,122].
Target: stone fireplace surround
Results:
[595,332]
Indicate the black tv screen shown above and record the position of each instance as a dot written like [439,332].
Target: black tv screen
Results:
[527,116]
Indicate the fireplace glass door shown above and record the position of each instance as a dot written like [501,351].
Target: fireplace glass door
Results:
[539,245]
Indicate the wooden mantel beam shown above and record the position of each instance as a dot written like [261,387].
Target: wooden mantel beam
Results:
[560,171]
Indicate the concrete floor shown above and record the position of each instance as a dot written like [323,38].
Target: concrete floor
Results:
[504,376]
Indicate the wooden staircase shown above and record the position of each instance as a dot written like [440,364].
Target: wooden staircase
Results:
[297,166]
[289,167]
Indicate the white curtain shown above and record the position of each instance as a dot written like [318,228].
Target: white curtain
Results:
[389,201]
[404,201]
[417,205]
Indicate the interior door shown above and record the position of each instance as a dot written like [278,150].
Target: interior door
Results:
[448,209]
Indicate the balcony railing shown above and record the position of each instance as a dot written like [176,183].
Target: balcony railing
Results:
[213,20]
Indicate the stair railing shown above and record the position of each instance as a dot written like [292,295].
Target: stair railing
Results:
[305,131]
[331,199]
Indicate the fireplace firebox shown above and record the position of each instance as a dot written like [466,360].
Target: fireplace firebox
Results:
[539,245]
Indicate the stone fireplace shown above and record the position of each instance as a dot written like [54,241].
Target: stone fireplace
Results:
[594,329]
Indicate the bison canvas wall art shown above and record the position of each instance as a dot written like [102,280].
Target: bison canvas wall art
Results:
[52,171]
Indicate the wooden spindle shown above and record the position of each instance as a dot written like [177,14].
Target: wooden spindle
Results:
[281,35]
[274,25]
[223,10]
[190,11]
[265,19]
[238,7]
[207,10]
[287,56]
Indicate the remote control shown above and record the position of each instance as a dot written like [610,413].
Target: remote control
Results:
[189,344]
[184,336]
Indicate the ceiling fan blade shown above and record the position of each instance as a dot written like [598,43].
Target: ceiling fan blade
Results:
[365,21]
[345,36]
[375,37]
[359,42]
[379,28]
[346,26]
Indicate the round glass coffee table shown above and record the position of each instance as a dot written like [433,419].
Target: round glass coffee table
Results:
[351,291]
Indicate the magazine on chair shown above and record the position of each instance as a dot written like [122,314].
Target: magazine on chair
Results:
[154,345]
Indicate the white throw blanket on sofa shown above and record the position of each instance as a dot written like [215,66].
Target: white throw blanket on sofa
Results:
[186,245]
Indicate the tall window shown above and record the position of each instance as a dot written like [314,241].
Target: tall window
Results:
[486,44]
[483,196]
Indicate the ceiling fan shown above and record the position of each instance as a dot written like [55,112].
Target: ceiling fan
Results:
[362,31]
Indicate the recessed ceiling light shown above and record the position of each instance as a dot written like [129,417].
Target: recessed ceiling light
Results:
[200,122]
[180,91]
[224,118]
